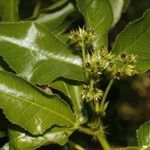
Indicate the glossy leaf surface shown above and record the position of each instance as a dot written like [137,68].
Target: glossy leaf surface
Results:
[36,54]
[117,6]
[22,141]
[73,92]
[5,147]
[26,106]
[143,135]
[135,40]
[9,10]
[98,17]
[55,21]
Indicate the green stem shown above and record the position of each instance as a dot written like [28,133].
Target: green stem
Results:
[52,7]
[84,57]
[55,5]
[100,136]
[36,9]
[97,106]
[91,84]
[103,142]
[106,93]
[76,146]
[96,103]
[85,130]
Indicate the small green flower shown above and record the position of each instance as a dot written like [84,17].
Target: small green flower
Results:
[130,70]
[105,54]
[81,36]
[128,58]
[93,64]
[91,94]
[122,66]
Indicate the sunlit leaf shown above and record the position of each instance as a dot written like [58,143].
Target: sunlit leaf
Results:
[36,54]
[143,136]
[117,6]
[55,21]
[135,40]
[98,17]
[5,147]
[21,140]
[28,107]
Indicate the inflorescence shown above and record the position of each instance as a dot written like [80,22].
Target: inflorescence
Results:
[101,61]
[118,66]
[78,37]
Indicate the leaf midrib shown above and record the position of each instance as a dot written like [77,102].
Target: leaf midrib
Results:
[67,90]
[41,107]
[137,39]
[38,51]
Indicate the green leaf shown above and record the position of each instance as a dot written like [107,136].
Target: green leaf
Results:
[36,53]
[5,147]
[19,140]
[143,135]
[73,92]
[55,5]
[3,134]
[98,17]
[135,40]
[126,5]
[1,68]
[30,108]
[9,10]
[117,6]
[148,148]
[4,65]
[55,21]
